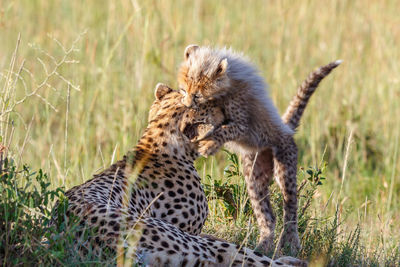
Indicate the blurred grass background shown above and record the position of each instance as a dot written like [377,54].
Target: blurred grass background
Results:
[126,47]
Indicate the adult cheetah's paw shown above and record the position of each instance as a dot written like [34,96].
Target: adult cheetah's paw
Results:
[208,147]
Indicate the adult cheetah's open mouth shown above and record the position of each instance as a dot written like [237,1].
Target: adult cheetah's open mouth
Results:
[197,125]
[198,131]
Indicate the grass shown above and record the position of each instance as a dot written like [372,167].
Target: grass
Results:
[92,106]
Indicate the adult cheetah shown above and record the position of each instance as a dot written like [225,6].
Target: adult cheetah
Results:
[151,202]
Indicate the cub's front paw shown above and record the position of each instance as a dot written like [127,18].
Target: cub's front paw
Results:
[203,132]
[208,147]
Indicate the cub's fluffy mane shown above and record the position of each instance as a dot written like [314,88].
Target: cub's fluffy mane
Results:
[205,61]
[240,68]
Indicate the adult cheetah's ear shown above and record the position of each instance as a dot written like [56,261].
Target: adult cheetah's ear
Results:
[189,50]
[161,90]
[222,66]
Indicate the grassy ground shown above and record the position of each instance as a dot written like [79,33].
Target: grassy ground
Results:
[91,68]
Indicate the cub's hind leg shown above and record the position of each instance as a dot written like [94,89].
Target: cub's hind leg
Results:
[292,118]
[258,174]
[285,170]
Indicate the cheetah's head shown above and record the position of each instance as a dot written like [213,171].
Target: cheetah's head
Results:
[202,75]
[168,112]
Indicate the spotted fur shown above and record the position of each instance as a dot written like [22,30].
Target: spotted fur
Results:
[264,141]
[258,167]
[297,106]
[253,122]
[151,202]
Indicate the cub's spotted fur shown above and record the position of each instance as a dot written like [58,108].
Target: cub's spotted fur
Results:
[230,80]
[254,123]
[151,202]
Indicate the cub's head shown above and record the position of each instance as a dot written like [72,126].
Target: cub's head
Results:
[178,122]
[203,75]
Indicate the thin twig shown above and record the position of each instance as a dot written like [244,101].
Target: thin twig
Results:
[66,131]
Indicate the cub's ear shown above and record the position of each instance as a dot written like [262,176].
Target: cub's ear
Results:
[189,50]
[161,90]
[222,66]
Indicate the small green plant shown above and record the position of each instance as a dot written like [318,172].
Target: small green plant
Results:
[315,175]
[28,236]
[233,194]
[23,210]
[323,241]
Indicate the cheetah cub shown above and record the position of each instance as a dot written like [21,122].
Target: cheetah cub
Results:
[253,122]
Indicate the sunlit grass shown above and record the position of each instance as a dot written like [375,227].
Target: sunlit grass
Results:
[128,46]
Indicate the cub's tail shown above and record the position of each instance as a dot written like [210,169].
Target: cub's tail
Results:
[296,107]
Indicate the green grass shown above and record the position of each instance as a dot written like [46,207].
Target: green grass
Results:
[95,107]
